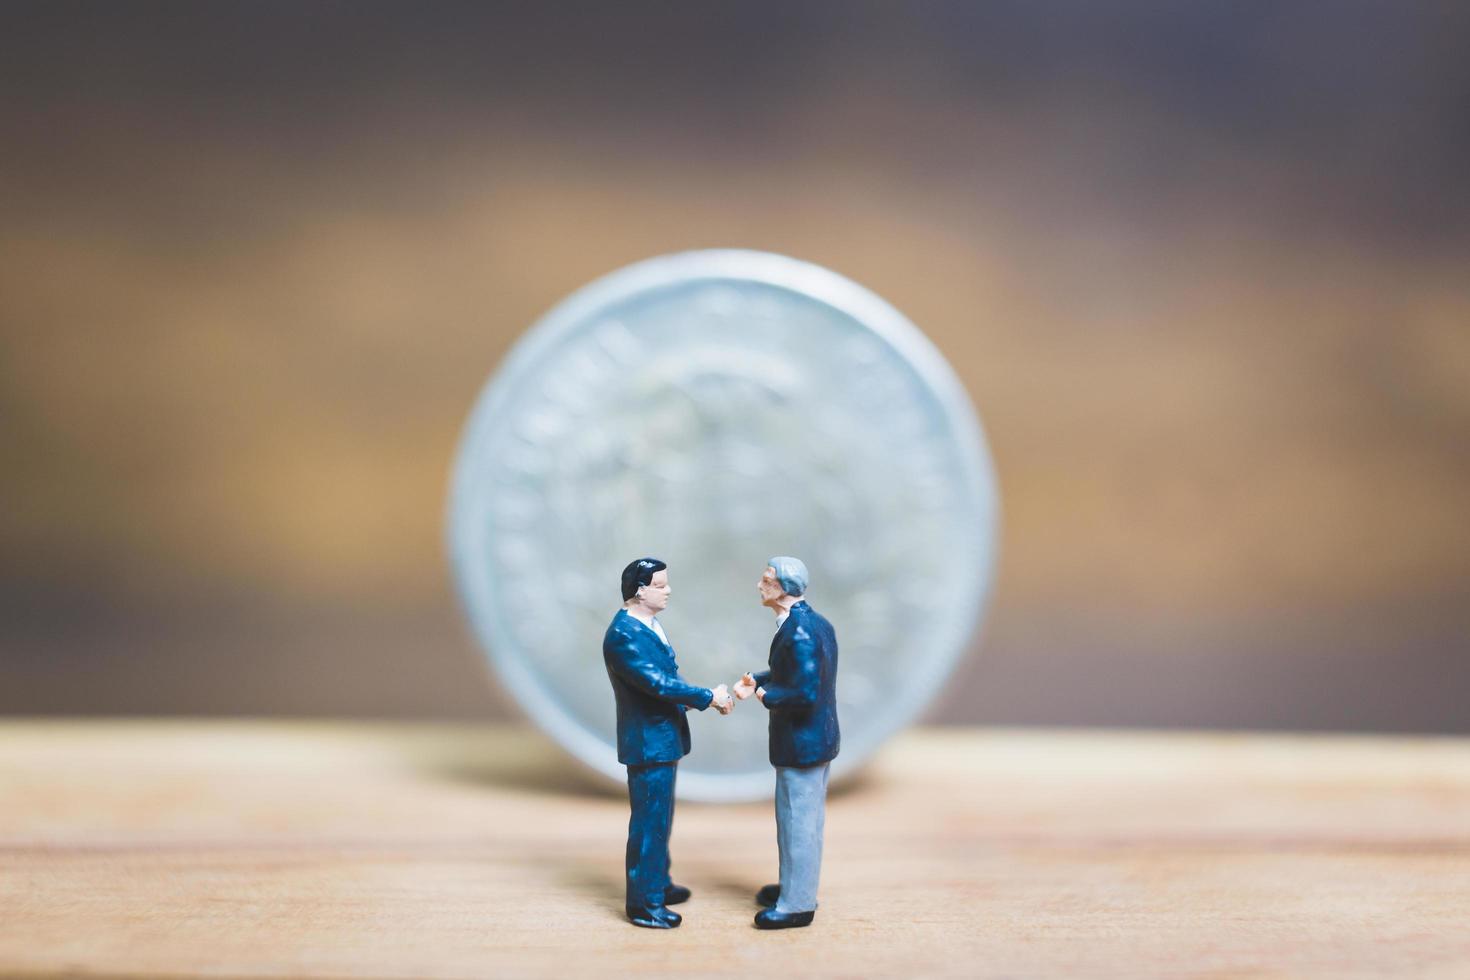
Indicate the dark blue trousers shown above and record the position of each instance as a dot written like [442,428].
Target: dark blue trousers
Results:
[651,802]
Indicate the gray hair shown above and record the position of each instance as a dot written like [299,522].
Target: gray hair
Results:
[791,573]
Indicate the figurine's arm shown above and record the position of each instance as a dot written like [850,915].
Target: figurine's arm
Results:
[629,663]
[805,678]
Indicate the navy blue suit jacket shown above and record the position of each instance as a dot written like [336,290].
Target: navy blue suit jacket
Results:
[801,690]
[651,695]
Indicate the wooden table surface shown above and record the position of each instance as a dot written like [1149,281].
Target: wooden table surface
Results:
[179,848]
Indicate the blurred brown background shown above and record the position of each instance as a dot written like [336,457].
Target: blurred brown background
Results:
[1203,267]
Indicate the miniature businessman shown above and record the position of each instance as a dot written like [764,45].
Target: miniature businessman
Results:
[800,691]
[653,736]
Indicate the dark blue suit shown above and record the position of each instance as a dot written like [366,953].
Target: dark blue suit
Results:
[801,690]
[653,736]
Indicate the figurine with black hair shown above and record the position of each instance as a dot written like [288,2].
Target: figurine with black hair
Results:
[653,735]
[799,689]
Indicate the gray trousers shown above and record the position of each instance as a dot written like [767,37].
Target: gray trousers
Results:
[801,814]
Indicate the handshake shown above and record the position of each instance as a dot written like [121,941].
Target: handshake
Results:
[724,702]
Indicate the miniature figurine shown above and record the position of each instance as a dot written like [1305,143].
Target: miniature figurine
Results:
[653,735]
[800,691]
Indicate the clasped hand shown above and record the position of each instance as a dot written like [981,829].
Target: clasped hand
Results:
[744,688]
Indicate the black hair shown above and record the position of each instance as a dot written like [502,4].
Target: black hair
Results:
[638,574]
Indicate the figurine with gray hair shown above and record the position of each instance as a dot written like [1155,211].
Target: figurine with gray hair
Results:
[799,689]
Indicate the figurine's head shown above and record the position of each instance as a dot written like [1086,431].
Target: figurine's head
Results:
[646,581]
[783,577]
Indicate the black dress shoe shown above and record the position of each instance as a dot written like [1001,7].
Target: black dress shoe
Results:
[771,919]
[671,917]
[652,918]
[767,897]
[675,894]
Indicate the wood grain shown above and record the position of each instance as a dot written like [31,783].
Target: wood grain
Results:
[185,848]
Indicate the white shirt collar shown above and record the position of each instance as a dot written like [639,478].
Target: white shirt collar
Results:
[786,613]
[653,624]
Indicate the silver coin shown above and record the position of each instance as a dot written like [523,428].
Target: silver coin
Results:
[713,409]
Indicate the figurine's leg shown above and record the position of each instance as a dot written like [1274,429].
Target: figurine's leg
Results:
[669,828]
[650,799]
[801,814]
[637,794]
[782,848]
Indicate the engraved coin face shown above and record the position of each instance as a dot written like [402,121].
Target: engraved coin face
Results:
[713,409]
